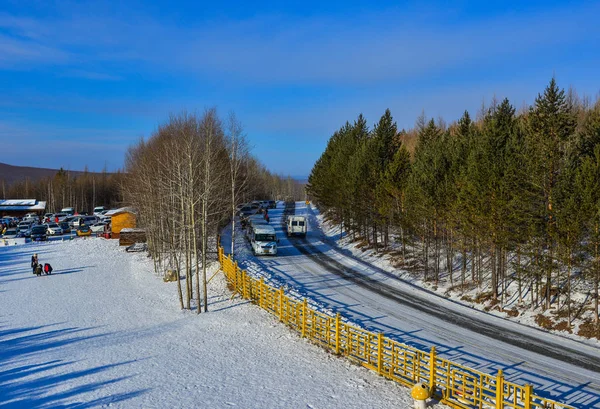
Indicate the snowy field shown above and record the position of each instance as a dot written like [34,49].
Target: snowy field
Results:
[104,331]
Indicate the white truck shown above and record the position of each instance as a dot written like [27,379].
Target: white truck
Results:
[296,226]
[263,240]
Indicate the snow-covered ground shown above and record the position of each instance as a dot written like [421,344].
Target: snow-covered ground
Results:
[103,330]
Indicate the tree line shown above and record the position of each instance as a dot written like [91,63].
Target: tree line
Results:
[506,198]
[185,182]
[80,190]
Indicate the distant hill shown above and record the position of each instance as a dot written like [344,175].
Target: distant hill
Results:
[11,174]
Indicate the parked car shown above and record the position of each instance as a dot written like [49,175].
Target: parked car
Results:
[9,221]
[99,209]
[246,212]
[61,217]
[65,227]
[10,233]
[98,227]
[24,226]
[84,230]
[31,217]
[38,233]
[87,220]
[53,229]
[68,210]
[70,220]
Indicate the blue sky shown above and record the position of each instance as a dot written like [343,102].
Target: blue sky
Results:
[82,81]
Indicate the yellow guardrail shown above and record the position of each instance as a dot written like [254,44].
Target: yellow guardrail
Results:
[455,385]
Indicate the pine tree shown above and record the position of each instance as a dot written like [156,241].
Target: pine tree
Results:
[551,126]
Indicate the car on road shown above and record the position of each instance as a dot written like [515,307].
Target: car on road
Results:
[246,212]
[84,231]
[263,240]
[296,226]
[38,233]
[53,229]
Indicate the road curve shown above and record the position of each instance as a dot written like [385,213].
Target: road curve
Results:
[561,368]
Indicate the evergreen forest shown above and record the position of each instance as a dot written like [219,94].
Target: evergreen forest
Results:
[506,199]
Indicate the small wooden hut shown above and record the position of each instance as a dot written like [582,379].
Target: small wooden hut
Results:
[123,218]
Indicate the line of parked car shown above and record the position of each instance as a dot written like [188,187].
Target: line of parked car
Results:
[55,224]
[255,222]
[255,207]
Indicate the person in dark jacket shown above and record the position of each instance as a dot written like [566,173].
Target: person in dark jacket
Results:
[34,262]
[47,268]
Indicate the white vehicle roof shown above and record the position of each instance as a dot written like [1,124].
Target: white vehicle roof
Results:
[263,229]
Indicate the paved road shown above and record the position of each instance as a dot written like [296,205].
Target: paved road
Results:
[561,368]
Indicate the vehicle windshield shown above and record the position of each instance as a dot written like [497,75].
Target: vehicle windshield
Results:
[38,229]
[52,225]
[264,237]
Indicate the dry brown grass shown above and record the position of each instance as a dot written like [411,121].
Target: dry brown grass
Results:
[513,312]
[563,326]
[544,321]
[589,329]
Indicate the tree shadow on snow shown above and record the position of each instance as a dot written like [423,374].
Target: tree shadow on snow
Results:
[29,380]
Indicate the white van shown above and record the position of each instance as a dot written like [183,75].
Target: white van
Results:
[254,220]
[263,240]
[295,225]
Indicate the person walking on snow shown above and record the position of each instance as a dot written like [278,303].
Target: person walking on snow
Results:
[34,262]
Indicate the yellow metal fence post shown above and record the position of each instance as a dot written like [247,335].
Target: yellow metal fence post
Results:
[432,370]
[244,286]
[528,393]
[500,390]
[380,353]
[304,318]
[260,292]
[337,333]
[235,280]
[281,304]
[237,269]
